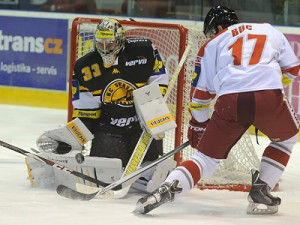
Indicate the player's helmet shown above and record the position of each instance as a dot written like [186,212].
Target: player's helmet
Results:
[109,40]
[218,15]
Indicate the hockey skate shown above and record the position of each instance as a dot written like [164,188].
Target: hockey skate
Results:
[163,194]
[260,199]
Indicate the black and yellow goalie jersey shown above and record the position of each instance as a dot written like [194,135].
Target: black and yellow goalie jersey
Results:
[103,97]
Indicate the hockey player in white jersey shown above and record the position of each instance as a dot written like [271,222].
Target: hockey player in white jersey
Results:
[247,66]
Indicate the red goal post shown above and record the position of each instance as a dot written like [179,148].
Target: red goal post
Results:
[171,41]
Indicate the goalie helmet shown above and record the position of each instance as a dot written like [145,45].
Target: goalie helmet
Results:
[109,40]
[218,15]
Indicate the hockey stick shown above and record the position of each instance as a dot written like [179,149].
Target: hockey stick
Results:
[55,165]
[178,69]
[67,192]
[135,160]
[133,164]
[136,157]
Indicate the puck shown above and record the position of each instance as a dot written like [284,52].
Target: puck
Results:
[79,158]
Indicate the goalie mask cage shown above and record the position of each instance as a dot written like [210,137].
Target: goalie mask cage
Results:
[171,40]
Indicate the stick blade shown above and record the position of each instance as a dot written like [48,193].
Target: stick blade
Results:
[90,190]
[66,192]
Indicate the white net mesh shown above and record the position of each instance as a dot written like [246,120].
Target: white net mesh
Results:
[235,170]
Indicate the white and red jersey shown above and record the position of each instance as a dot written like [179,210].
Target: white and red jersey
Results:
[243,57]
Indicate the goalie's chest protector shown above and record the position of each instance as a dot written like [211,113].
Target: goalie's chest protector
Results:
[131,70]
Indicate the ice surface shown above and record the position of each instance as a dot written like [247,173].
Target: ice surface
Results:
[22,205]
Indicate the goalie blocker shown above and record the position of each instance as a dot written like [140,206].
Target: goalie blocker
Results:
[152,110]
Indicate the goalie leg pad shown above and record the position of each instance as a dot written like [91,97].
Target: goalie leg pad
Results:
[151,179]
[39,174]
[107,170]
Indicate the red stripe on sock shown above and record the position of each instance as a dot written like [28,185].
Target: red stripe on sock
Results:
[193,169]
[277,155]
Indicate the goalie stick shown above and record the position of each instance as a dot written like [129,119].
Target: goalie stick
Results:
[135,161]
[139,152]
[56,165]
[69,193]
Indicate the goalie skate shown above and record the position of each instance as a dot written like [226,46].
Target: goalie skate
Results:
[260,199]
[163,194]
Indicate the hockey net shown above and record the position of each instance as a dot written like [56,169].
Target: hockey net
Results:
[171,41]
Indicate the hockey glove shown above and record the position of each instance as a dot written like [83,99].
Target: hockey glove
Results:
[196,131]
[64,139]
[51,145]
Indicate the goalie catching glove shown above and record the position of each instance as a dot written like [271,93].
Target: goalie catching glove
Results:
[196,131]
[64,139]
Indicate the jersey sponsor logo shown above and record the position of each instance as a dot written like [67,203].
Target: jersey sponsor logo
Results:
[140,61]
[30,44]
[119,92]
[133,40]
[123,122]
[87,114]
[115,70]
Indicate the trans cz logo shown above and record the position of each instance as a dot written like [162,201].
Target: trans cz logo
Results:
[30,44]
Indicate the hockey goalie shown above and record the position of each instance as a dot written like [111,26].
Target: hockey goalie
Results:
[69,146]
[109,117]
